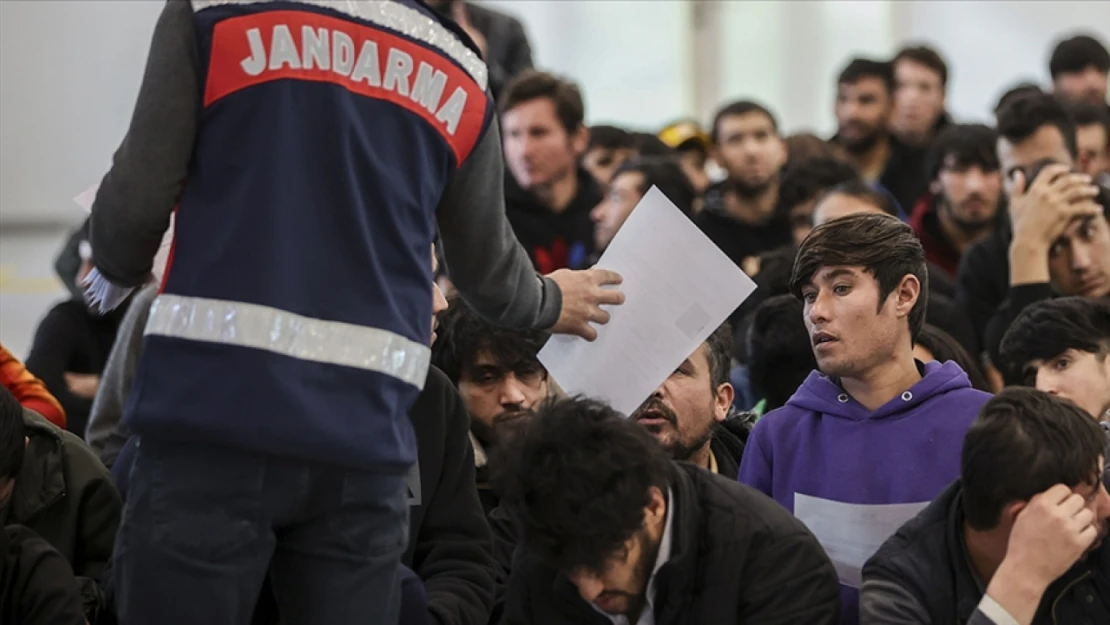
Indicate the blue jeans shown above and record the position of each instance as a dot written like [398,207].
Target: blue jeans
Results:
[203,524]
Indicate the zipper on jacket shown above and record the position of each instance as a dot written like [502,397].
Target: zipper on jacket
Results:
[1060,596]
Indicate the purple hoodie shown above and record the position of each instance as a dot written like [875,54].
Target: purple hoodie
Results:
[854,476]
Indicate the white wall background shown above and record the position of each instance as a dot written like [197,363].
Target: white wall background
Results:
[70,69]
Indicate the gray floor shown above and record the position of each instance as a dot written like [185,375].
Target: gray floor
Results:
[28,286]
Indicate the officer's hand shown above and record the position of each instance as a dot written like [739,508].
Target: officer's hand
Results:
[584,293]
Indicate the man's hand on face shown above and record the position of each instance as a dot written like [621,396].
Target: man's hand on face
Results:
[1050,534]
[584,294]
[1041,213]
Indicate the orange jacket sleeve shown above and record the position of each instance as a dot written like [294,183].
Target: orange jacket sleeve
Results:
[29,390]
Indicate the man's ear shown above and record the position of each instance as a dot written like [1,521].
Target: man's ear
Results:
[1010,512]
[725,395]
[656,509]
[580,140]
[906,295]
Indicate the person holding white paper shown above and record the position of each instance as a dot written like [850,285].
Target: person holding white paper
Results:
[875,435]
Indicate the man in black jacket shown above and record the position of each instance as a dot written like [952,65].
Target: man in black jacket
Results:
[37,586]
[1058,239]
[1019,538]
[613,528]
[64,495]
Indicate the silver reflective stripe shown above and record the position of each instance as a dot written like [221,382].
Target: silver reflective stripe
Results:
[288,334]
[395,16]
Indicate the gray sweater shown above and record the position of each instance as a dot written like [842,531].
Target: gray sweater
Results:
[106,433]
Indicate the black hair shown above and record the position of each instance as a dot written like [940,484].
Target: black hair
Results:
[967,144]
[1045,330]
[648,145]
[579,479]
[719,354]
[1019,90]
[883,245]
[809,178]
[780,355]
[738,109]
[945,348]
[12,435]
[860,190]
[564,94]
[1087,114]
[462,335]
[666,174]
[1077,54]
[1023,443]
[1024,115]
[609,138]
[926,56]
[860,68]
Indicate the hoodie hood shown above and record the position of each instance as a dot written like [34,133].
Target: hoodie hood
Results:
[823,395]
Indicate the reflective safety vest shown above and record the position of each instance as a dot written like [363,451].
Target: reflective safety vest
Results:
[294,316]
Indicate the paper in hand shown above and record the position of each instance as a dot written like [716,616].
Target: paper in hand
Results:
[679,287]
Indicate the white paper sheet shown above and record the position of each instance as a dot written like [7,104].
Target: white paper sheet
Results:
[852,533]
[679,287]
[85,198]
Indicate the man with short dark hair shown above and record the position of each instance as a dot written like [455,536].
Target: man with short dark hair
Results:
[608,149]
[1018,538]
[616,532]
[1060,241]
[864,105]
[804,183]
[1061,346]
[964,203]
[627,187]
[548,195]
[739,214]
[1079,67]
[828,454]
[920,82]
[1032,127]
[498,375]
[1092,134]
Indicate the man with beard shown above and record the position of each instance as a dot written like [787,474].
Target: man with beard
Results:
[616,532]
[499,377]
[739,213]
[690,413]
[964,202]
[864,105]
[1080,69]
[1018,538]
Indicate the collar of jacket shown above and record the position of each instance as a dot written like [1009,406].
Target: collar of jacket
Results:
[480,458]
[41,480]
[677,578]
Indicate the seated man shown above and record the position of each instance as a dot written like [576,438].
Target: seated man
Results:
[1019,538]
[616,532]
[63,494]
[498,376]
[691,414]
[942,311]
[861,447]
[1061,347]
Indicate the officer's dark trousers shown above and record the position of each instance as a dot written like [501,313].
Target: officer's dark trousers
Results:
[202,525]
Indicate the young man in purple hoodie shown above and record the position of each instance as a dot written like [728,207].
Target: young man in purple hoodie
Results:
[874,435]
